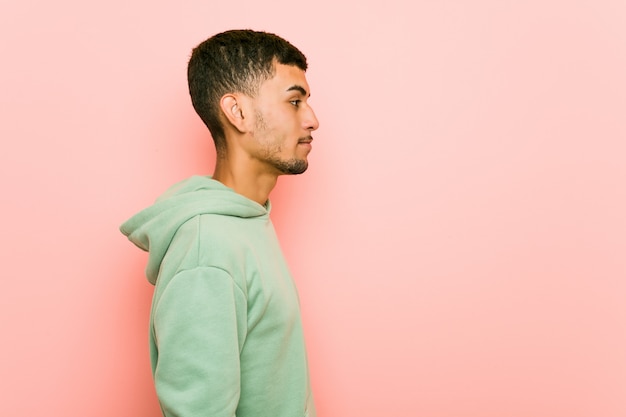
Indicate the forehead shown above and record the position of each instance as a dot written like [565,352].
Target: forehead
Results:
[284,79]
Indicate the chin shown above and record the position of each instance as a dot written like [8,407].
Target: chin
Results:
[292,166]
[297,170]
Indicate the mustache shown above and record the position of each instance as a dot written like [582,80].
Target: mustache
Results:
[306,139]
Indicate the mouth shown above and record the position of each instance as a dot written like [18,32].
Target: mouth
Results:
[305,143]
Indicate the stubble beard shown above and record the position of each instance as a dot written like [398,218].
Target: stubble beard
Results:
[292,166]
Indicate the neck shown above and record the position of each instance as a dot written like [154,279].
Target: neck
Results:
[242,177]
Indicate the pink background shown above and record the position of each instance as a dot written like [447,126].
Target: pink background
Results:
[459,240]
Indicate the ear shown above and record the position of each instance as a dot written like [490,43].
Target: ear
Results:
[231,107]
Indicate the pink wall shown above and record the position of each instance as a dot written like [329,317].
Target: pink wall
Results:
[459,240]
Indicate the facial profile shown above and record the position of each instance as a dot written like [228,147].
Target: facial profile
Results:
[283,121]
[235,61]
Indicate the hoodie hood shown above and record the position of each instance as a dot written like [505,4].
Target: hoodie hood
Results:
[154,228]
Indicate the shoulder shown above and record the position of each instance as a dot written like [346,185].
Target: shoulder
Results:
[213,240]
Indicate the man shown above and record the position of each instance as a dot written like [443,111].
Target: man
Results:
[226,337]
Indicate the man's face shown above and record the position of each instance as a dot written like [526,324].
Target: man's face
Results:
[284,122]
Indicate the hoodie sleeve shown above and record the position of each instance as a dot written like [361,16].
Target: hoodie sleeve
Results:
[199,328]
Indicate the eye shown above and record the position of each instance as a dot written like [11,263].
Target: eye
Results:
[295,103]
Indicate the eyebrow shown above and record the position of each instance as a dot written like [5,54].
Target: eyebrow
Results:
[297,88]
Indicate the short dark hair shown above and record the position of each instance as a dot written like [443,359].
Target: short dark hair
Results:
[235,61]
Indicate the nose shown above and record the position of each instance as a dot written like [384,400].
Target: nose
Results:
[310,120]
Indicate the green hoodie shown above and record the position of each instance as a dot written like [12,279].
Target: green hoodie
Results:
[225,330]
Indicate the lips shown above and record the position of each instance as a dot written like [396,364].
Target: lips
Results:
[305,143]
